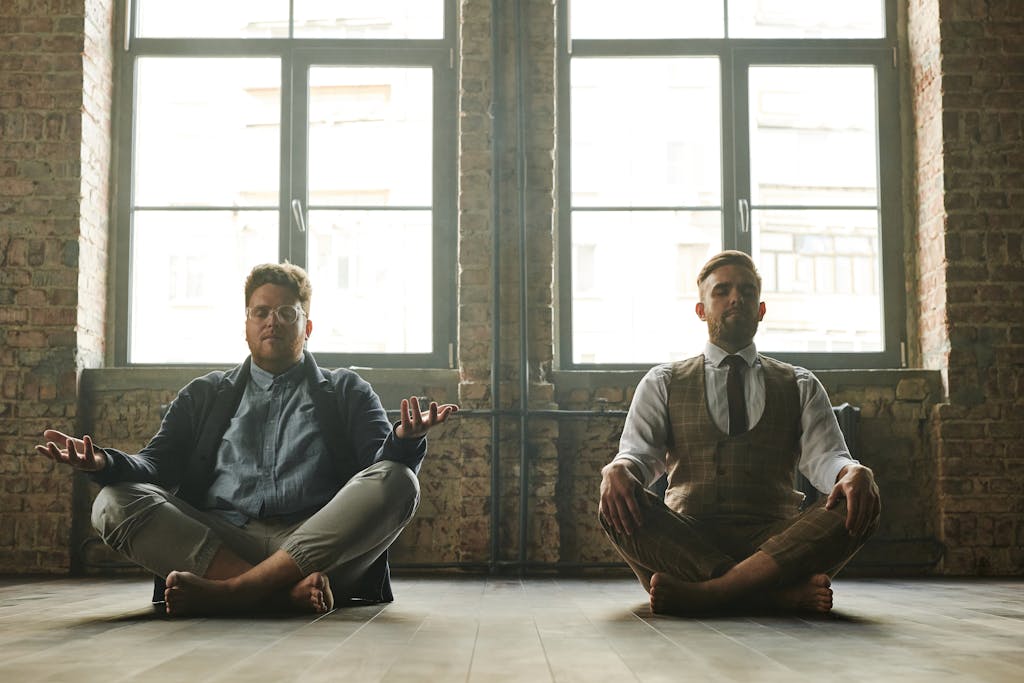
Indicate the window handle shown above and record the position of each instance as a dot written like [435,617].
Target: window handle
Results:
[298,213]
[743,209]
[127,25]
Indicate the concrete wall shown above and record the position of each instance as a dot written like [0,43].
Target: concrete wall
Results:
[944,438]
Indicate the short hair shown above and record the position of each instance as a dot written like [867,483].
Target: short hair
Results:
[283,274]
[729,257]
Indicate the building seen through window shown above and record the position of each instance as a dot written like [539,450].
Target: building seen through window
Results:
[210,194]
[659,183]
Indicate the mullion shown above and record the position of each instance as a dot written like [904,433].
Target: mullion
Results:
[233,207]
[366,207]
[814,207]
[647,208]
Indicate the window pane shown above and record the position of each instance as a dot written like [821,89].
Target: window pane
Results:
[806,18]
[369,19]
[188,275]
[205,19]
[646,19]
[635,283]
[207,132]
[372,281]
[813,136]
[821,280]
[646,132]
[370,136]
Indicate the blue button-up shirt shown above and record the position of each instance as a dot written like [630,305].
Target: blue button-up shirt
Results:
[272,461]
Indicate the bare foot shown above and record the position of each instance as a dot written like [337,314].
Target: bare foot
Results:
[812,595]
[312,594]
[670,595]
[188,594]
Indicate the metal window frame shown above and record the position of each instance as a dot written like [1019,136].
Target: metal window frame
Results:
[295,56]
[736,56]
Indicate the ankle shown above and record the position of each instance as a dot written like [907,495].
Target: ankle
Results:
[235,585]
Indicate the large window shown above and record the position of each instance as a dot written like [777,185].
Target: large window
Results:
[318,132]
[769,126]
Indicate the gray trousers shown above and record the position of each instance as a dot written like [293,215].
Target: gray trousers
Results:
[162,533]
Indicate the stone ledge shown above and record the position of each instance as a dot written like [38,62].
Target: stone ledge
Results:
[391,384]
[396,383]
[567,380]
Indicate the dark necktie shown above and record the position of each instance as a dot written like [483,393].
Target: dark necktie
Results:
[734,391]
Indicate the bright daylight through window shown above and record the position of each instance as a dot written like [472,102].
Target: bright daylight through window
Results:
[760,125]
[286,133]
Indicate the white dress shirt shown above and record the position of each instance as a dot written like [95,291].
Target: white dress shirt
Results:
[644,441]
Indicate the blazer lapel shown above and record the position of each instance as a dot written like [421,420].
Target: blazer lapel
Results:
[225,403]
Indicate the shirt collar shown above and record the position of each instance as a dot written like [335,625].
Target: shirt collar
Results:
[716,354]
[263,379]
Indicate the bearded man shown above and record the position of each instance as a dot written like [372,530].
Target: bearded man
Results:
[728,427]
[275,486]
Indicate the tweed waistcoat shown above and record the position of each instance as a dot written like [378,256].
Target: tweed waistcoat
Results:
[712,474]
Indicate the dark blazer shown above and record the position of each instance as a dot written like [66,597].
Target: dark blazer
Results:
[181,457]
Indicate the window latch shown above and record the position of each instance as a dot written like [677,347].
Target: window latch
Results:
[297,212]
[743,211]
[127,25]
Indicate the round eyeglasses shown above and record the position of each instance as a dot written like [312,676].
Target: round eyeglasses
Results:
[286,314]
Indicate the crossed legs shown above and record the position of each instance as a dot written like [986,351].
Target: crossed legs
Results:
[212,566]
[693,566]
[751,583]
[275,584]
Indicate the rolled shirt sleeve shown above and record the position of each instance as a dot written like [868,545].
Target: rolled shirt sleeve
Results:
[644,439]
[823,450]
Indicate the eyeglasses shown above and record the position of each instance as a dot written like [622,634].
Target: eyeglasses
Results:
[286,314]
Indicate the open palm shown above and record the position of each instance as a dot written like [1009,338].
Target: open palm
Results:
[77,453]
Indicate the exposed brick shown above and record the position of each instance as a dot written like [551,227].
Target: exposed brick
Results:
[983,240]
[42,94]
[911,389]
[958,463]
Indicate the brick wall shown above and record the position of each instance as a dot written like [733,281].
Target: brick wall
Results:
[481,137]
[928,167]
[453,521]
[51,53]
[944,440]
[476,130]
[969,64]
[95,160]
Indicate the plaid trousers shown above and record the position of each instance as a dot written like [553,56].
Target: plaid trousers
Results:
[697,549]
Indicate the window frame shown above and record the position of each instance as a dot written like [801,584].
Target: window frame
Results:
[736,56]
[296,55]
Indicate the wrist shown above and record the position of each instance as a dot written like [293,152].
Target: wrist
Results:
[611,467]
[404,435]
[102,460]
[850,469]
[619,467]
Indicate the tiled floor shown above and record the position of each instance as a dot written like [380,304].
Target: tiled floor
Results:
[497,629]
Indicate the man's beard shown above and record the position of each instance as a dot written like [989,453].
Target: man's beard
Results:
[735,330]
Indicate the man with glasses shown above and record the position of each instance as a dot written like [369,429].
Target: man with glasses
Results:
[727,428]
[277,485]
